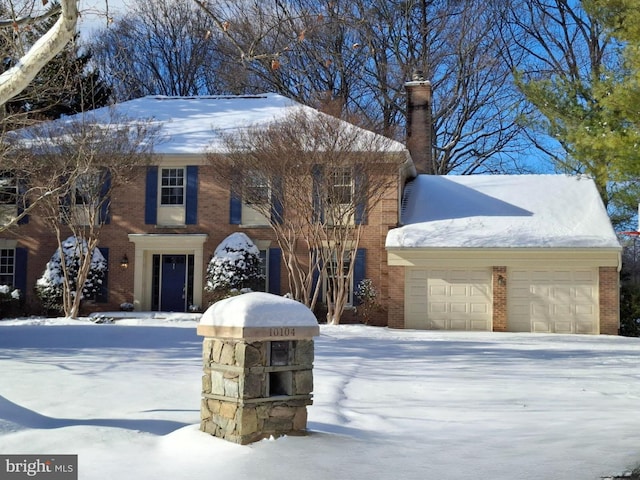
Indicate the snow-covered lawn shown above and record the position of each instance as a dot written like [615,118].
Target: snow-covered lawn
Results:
[387,404]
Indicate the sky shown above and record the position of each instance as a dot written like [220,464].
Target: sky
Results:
[94,13]
[403,404]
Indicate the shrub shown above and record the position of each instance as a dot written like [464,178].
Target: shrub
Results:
[367,295]
[10,301]
[50,288]
[630,310]
[234,266]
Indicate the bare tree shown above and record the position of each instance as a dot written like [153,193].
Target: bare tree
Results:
[566,64]
[164,47]
[351,60]
[73,167]
[314,179]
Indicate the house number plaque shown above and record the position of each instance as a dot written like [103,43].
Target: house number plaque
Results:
[282,332]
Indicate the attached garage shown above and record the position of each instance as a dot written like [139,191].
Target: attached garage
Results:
[518,253]
[448,299]
[553,300]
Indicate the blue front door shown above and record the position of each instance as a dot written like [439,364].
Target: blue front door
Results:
[173,290]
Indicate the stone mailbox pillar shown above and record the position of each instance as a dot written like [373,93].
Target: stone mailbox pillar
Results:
[258,367]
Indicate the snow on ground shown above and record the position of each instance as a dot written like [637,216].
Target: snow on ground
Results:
[387,404]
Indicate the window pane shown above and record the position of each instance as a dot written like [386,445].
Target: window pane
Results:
[341,188]
[172,186]
[258,189]
[7,266]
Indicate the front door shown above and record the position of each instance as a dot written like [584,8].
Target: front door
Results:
[173,290]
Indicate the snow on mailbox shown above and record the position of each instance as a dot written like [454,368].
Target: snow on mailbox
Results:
[258,367]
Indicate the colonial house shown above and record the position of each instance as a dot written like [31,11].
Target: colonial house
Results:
[492,253]
[162,230]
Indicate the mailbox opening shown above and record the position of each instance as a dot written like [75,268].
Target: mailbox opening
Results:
[280,383]
[280,353]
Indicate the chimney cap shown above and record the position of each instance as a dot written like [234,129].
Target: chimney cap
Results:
[417,79]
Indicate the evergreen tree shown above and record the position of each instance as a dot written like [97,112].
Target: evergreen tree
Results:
[235,265]
[585,105]
[59,280]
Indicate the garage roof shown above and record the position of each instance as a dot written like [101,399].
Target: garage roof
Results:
[502,211]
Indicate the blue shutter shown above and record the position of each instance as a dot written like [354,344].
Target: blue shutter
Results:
[105,210]
[359,271]
[235,209]
[275,255]
[20,270]
[318,201]
[23,202]
[276,201]
[102,296]
[360,185]
[192,195]
[151,197]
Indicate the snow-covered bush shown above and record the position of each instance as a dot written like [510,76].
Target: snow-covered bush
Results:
[235,265]
[366,293]
[126,307]
[9,300]
[50,286]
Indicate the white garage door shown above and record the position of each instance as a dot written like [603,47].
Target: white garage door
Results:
[448,299]
[553,300]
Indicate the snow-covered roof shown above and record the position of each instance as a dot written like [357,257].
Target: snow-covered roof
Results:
[502,211]
[188,125]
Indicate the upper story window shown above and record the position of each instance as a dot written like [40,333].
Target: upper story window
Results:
[258,190]
[257,201]
[8,188]
[341,187]
[88,188]
[340,197]
[171,195]
[172,186]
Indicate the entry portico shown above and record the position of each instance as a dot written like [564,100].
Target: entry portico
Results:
[168,271]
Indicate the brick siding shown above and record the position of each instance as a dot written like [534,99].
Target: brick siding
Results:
[609,300]
[499,281]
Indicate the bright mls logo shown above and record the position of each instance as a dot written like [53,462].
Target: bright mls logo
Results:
[49,467]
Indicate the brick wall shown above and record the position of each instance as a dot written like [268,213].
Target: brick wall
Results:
[127,217]
[395,300]
[499,299]
[609,300]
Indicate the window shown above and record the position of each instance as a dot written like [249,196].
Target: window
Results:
[341,187]
[256,201]
[340,208]
[337,274]
[258,191]
[8,188]
[7,266]
[88,188]
[172,186]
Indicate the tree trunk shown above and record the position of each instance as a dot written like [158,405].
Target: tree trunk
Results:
[18,77]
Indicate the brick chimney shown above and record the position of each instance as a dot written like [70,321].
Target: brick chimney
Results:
[419,122]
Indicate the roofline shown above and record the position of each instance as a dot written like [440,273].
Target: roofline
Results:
[503,256]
